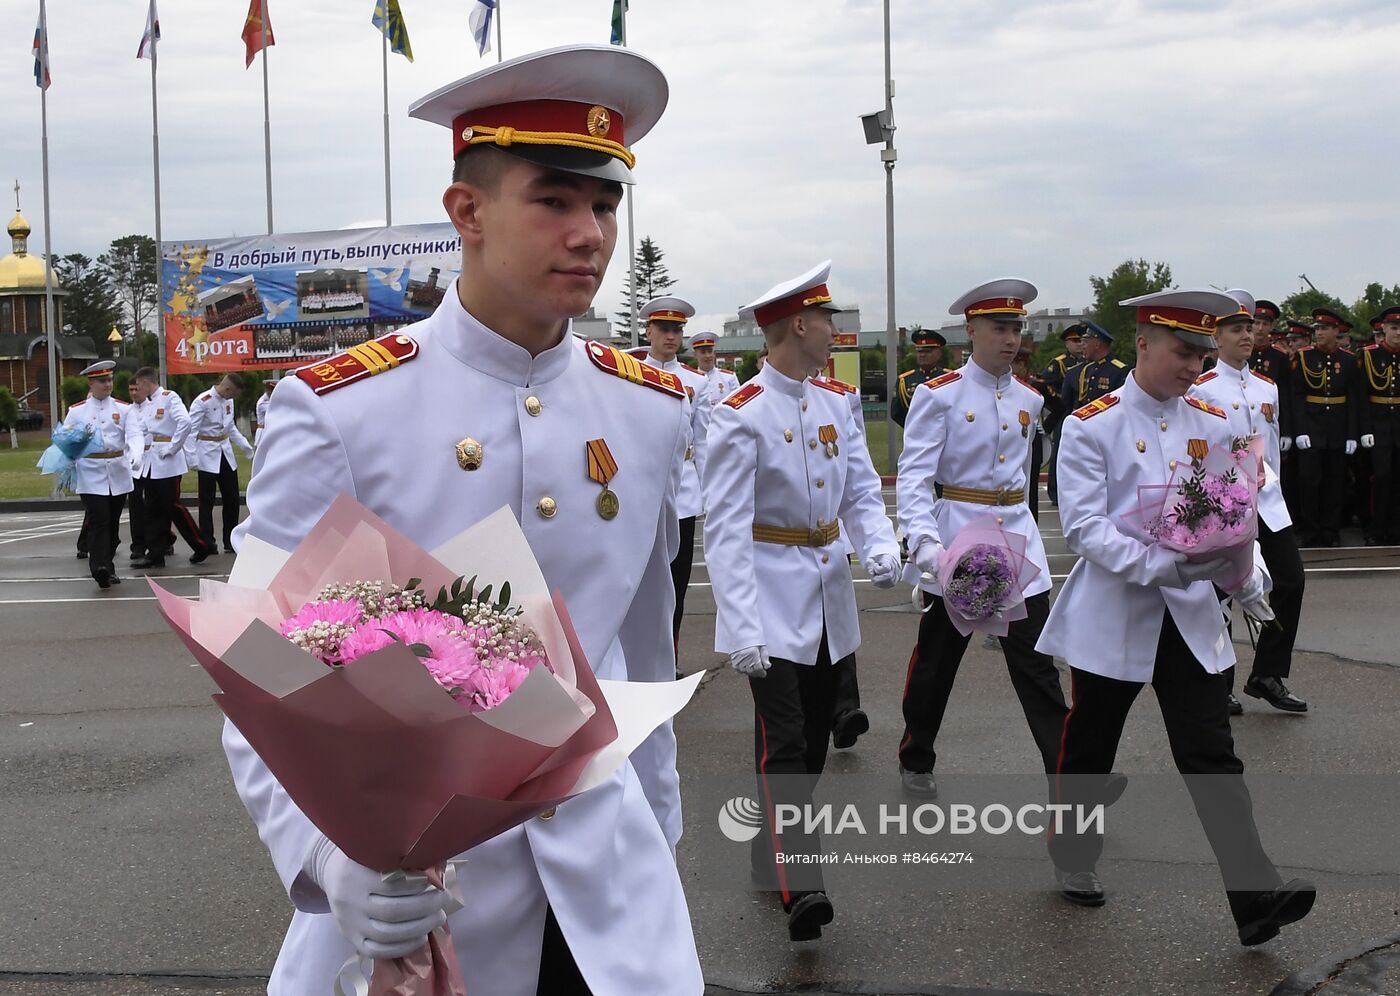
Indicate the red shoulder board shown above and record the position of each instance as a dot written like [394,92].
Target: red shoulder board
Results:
[694,370]
[1028,384]
[358,362]
[1205,406]
[1264,377]
[1207,376]
[620,364]
[946,378]
[834,386]
[743,396]
[78,404]
[1099,405]
[1373,345]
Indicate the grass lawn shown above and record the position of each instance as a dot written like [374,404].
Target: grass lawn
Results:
[20,479]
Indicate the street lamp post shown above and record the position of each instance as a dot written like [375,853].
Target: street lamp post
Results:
[879,127]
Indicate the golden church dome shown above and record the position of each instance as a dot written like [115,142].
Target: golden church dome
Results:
[22,270]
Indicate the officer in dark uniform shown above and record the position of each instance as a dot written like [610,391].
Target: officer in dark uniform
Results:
[928,354]
[1053,379]
[1326,389]
[1297,335]
[1380,426]
[1101,373]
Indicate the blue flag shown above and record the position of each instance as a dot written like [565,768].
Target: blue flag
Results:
[480,21]
[393,27]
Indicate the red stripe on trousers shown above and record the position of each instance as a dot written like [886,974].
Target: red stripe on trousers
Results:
[772,816]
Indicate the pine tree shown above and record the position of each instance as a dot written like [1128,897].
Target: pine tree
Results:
[653,280]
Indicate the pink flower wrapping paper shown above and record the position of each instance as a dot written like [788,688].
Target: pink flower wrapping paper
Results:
[1017,570]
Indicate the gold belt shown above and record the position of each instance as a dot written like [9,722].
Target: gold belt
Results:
[213,439]
[984,496]
[160,439]
[823,536]
[108,455]
[1327,399]
[1377,399]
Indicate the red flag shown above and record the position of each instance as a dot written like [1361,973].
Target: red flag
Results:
[253,29]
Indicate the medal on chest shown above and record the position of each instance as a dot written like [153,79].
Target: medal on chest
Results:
[601,470]
[827,434]
[1024,417]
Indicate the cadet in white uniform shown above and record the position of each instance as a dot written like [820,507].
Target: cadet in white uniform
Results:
[1250,401]
[493,402]
[1157,617]
[260,410]
[970,432]
[214,433]
[167,425]
[665,323]
[786,461]
[103,478]
[722,382]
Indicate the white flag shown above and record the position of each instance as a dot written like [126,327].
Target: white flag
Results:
[480,21]
[147,49]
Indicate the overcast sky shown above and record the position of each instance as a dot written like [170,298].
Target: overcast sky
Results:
[1242,141]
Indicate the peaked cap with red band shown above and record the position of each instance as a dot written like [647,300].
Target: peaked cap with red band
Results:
[702,339]
[1389,316]
[667,309]
[1266,309]
[577,109]
[1245,309]
[1005,297]
[1192,315]
[791,297]
[1326,316]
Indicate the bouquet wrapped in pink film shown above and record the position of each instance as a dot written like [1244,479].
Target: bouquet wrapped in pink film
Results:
[1209,508]
[984,573]
[409,716]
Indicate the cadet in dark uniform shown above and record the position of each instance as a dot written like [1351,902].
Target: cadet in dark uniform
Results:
[1326,387]
[1380,426]
[1296,338]
[1099,374]
[928,354]
[1055,390]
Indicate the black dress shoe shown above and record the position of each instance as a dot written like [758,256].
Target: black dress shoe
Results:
[807,914]
[199,556]
[82,555]
[1287,904]
[1332,539]
[848,728]
[1236,707]
[146,562]
[102,576]
[1275,692]
[115,578]
[1080,888]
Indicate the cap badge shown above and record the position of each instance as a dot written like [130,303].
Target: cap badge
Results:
[467,134]
[599,121]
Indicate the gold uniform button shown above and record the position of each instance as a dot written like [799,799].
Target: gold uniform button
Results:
[826,558]
[1235,405]
[547,507]
[548,814]
[1164,427]
[787,435]
[811,444]
[1003,427]
[821,483]
[1171,465]
[804,406]
[533,406]
[1000,520]
[1001,458]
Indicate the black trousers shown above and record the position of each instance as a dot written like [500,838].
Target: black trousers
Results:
[793,706]
[1197,720]
[680,578]
[226,483]
[1322,478]
[1273,655]
[1358,500]
[1050,478]
[1385,496]
[83,533]
[1288,480]
[559,974]
[934,665]
[164,510]
[102,515]
[847,689]
[137,512]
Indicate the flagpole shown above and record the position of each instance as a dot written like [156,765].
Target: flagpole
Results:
[49,316]
[155,156]
[267,117]
[388,203]
[631,214]
[499,54]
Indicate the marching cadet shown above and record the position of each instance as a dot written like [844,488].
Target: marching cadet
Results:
[1325,384]
[493,402]
[1250,401]
[970,431]
[167,427]
[1056,390]
[665,319]
[1099,373]
[260,410]
[136,510]
[103,478]
[722,382]
[1157,616]
[928,357]
[213,433]
[786,462]
[1380,427]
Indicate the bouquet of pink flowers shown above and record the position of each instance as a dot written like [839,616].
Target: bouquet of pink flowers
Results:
[984,573]
[411,727]
[1210,514]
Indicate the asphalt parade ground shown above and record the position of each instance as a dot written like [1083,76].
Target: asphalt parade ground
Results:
[130,867]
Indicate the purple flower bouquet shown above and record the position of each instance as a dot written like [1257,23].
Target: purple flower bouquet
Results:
[984,574]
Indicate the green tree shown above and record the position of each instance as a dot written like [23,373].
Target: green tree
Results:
[653,280]
[72,390]
[130,265]
[9,414]
[1374,300]
[1300,304]
[91,307]
[1131,278]
[748,367]
[121,385]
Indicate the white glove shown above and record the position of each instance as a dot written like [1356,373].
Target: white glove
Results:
[1367,441]
[1207,571]
[1302,442]
[1285,443]
[1251,598]
[136,467]
[1351,447]
[927,556]
[751,662]
[382,916]
[883,569]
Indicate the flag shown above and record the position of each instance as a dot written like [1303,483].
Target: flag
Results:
[147,48]
[480,21]
[253,28]
[41,53]
[618,7]
[393,27]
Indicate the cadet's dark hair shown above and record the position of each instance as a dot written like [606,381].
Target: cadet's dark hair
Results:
[147,373]
[481,166]
[234,381]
